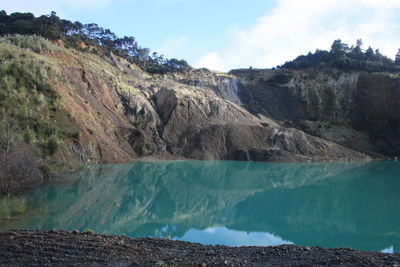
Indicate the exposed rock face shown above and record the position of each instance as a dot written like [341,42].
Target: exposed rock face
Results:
[355,109]
[376,111]
[122,113]
[225,86]
[198,115]
[212,128]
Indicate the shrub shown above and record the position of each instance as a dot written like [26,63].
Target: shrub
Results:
[31,42]
[29,136]
[11,206]
[52,144]
[19,164]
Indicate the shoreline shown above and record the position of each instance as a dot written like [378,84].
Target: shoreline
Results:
[44,248]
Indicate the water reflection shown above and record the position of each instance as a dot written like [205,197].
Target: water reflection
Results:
[234,203]
[225,236]
[389,250]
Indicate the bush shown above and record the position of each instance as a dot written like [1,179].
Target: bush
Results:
[52,144]
[26,96]
[31,42]
[29,136]
[19,168]
[11,206]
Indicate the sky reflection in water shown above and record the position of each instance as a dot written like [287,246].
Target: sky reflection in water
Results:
[224,236]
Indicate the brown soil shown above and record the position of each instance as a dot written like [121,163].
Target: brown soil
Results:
[60,248]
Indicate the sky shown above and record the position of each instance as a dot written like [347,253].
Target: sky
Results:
[228,34]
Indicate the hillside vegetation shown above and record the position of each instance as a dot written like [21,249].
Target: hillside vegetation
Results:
[347,58]
[89,37]
[26,95]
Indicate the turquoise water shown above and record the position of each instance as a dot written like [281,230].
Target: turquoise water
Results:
[353,205]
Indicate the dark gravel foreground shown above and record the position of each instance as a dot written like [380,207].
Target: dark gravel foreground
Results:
[60,248]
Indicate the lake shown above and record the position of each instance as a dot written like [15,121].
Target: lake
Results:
[353,205]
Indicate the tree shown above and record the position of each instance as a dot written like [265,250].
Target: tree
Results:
[359,43]
[7,138]
[338,47]
[143,57]
[3,15]
[369,54]
[397,58]
[19,164]
[356,51]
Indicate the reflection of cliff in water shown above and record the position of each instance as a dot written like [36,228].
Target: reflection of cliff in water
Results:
[361,210]
[326,204]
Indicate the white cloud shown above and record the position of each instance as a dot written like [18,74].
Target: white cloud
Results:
[212,61]
[224,236]
[389,250]
[297,27]
[386,3]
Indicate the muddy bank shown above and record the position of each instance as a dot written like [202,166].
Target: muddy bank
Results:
[49,248]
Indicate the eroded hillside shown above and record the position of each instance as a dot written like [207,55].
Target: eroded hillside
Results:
[108,110]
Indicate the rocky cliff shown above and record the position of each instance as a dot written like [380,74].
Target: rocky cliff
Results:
[111,111]
[356,109]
